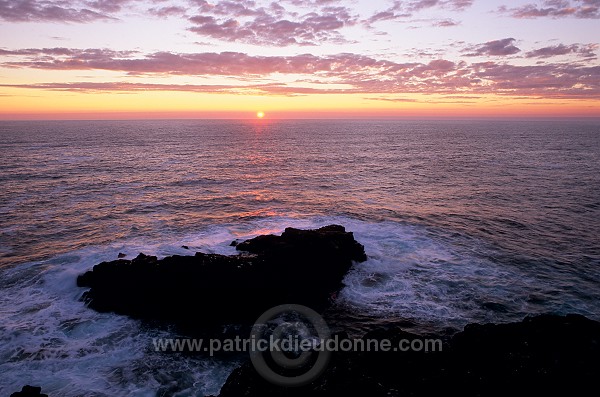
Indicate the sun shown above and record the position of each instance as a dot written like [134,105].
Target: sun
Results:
[260,115]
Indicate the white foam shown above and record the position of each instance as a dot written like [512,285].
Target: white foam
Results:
[437,277]
[49,338]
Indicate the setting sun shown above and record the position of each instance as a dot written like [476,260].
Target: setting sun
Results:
[260,115]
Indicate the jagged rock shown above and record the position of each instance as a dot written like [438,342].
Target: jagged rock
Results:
[300,266]
[540,356]
[29,391]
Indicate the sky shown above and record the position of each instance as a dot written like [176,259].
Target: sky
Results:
[108,59]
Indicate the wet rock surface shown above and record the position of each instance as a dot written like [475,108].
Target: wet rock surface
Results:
[300,266]
[544,355]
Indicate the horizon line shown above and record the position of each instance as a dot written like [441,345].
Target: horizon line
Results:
[267,120]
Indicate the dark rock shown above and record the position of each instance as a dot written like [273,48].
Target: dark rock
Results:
[121,255]
[29,391]
[330,242]
[300,266]
[540,356]
[233,243]
[185,247]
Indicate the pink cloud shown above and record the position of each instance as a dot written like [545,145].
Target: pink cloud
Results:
[80,55]
[444,23]
[453,4]
[308,22]
[108,5]
[312,3]
[56,11]
[553,80]
[494,48]
[556,9]
[358,74]
[168,11]
[244,21]
[405,9]
[207,63]
[584,51]
[91,87]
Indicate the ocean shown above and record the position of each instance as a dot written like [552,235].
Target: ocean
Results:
[463,221]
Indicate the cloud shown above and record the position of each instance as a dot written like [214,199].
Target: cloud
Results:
[121,86]
[108,5]
[344,73]
[405,9]
[85,11]
[386,99]
[244,21]
[450,100]
[445,23]
[505,47]
[168,11]
[584,51]
[75,54]
[451,4]
[53,11]
[284,23]
[556,9]
[548,81]
[278,89]
[312,3]
[206,63]
[493,48]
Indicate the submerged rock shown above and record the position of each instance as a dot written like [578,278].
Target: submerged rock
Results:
[300,266]
[540,356]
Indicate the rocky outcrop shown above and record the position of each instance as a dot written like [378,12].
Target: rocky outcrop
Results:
[300,266]
[540,356]
[29,391]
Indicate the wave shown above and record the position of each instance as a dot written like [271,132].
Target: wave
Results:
[414,272]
